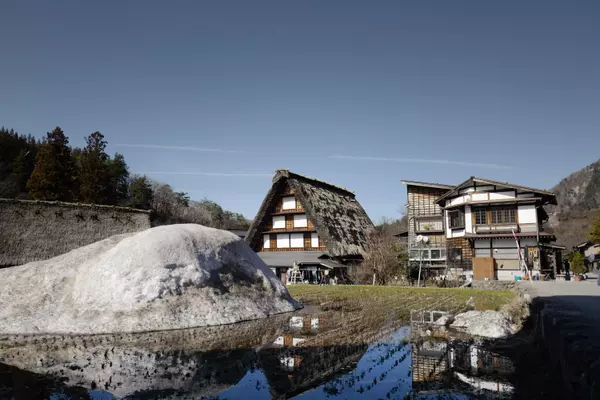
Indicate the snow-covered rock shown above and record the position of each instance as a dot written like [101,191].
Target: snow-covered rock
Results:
[491,324]
[168,277]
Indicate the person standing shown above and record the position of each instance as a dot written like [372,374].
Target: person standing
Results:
[567,269]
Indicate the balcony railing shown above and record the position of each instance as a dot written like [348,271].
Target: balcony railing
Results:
[495,228]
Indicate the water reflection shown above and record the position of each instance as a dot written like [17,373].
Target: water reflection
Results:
[323,354]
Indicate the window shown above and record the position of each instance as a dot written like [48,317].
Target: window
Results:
[279,222]
[457,218]
[503,215]
[283,241]
[266,241]
[289,203]
[455,254]
[300,221]
[314,240]
[297,240]
[428,255]
[480,216]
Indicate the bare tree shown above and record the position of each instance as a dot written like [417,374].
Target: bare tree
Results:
[385,259]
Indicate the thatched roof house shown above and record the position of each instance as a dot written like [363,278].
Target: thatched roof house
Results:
[308,221]
[39,230]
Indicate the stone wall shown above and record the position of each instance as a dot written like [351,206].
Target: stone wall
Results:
[39,230]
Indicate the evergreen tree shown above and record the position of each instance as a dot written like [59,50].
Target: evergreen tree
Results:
[119,180]
[54,174]
[17,159]
[594,232]
[95,172]
[140,193]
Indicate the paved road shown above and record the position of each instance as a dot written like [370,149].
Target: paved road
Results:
[584,295]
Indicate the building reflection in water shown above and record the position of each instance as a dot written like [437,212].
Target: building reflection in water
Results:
[324,355]
[440,365]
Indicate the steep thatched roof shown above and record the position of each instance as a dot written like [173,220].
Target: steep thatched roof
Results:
[336,214]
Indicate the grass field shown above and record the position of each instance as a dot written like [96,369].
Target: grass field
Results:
[391,297]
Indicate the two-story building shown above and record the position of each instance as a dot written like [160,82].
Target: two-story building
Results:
[426,219]
[487,219]
[312,225]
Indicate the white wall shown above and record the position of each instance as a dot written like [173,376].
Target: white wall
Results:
[508,275]
[314,240]
[479,196]
[504,243]
[468,220]
[289,203]
[482,244]
[456,200]
[266,242]
[484,188]
[283,240]
[502,195]
[527,214]
[300,221]
[279,222]
[525,195]
[297,240]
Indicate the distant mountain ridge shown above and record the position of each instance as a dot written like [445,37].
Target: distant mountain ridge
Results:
[578,198]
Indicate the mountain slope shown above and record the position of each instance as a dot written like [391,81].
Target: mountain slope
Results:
[578,198]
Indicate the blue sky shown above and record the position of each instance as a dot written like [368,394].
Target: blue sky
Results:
[212,97]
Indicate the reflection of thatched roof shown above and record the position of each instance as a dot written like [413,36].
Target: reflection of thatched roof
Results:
[39,230]
[316,365]
[336,214]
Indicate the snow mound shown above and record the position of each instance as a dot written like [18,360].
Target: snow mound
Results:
[168,277]
[488,323]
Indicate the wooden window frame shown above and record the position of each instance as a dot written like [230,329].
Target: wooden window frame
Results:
[504,215]
[460,223]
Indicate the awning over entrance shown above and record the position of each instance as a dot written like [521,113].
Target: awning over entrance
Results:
[302,258]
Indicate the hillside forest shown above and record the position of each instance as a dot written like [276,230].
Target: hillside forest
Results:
[50,169]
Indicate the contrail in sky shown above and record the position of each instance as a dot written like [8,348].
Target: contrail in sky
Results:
[419,160]
[224,174]
[185,148]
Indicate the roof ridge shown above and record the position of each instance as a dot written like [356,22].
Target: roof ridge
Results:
[423,183]
[287,173]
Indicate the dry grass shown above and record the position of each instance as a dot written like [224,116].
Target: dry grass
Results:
[400,298]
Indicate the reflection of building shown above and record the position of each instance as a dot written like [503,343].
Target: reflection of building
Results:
[430,365]
[292,370]
[309,223]
[437,364]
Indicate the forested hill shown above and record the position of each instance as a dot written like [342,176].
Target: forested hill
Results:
[578,198]
[51,169]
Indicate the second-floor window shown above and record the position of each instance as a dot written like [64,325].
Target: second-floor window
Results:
[456,218]
[495,215]
[480,216]
[503,215]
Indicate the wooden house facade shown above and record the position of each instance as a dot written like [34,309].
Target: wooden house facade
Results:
[318,227]
[483,220]
[487,219]
[426,218]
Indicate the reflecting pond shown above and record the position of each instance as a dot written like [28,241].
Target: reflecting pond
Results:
[316,354]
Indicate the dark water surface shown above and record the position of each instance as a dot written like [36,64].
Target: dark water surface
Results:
[320,355]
